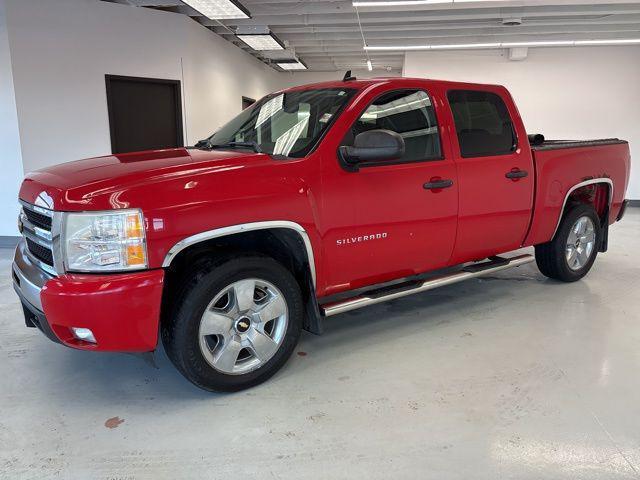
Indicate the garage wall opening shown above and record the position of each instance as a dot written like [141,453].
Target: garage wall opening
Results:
[144,113]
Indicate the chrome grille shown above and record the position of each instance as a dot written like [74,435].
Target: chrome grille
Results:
[38,219]
[41,230]
[42,253]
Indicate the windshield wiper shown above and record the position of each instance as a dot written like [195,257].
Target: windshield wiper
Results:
[252,145]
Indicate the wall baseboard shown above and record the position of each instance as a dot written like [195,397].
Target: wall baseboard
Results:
[634,203]
[9,242]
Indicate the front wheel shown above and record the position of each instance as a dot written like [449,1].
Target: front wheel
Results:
[235,323]
[571,253]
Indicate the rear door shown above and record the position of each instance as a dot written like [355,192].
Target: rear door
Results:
[386,224]
[495,173]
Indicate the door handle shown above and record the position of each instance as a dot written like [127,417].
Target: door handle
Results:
[437,184]
[515,174]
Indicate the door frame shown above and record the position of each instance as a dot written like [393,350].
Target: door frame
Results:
[108,78]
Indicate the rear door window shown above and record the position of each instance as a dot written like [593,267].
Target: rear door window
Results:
[483,124]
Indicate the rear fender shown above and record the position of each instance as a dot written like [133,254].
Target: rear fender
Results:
[590,192]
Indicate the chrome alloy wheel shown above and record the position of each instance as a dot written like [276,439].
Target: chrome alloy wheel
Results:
[243,326]
[581,242]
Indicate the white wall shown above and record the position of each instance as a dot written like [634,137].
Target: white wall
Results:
[10,156]
[574,93]
[61,51]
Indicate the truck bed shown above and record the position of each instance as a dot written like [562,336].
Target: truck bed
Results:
[562,164]
[559,144]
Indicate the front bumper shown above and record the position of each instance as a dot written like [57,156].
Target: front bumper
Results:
[122,310]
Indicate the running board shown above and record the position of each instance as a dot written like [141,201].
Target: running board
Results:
[495,264]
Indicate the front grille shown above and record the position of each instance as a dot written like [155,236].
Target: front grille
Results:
[43,254]
[38,219]
[40,227]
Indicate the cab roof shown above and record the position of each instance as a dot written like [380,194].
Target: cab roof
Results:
[359,84]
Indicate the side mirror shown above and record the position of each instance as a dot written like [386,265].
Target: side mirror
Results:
[372,146]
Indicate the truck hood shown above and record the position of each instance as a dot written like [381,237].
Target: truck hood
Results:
[76,185]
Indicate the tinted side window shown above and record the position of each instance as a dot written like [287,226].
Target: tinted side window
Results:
[483,123]
[409,113]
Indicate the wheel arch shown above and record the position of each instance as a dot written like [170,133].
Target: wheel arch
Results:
[285,241]
[586,192]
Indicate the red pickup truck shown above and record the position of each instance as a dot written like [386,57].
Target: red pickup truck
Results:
[316,200]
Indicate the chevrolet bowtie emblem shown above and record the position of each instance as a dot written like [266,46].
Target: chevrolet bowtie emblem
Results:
[44,200]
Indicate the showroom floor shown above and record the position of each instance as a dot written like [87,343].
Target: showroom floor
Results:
[510,376]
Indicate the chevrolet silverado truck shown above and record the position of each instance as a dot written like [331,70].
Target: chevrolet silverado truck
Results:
[316,200]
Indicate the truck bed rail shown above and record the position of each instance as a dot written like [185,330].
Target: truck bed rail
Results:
[559,144]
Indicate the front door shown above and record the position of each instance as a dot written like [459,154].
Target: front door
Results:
[495,175]
[391,219]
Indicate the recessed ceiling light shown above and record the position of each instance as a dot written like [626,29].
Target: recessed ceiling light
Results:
[218,9]
[369,66]
[262,41]
[291,64]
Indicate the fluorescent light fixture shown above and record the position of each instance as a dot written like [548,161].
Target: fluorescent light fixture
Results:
[399,3]
[464,46]
[295,64]
[262,41]
[559,43]
[412,3]
[218,9]
[622,41]
[532,44]
[369,66]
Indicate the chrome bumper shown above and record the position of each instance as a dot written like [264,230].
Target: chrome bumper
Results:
[28,279]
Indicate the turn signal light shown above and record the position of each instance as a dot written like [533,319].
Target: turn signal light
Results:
[134,226]
[135,254]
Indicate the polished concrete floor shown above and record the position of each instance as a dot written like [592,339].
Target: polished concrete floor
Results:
[510,376]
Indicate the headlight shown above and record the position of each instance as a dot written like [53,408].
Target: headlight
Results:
[104,241]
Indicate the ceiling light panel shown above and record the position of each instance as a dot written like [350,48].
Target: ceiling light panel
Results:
[297,65]
[262,42]
[218,9]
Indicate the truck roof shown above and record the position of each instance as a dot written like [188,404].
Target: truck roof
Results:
[361,83]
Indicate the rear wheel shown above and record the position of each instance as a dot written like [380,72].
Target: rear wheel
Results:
[571,253]
[235,323]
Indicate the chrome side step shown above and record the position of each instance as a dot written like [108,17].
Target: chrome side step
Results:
[471,271]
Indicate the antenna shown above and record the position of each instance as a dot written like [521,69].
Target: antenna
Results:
[347,76]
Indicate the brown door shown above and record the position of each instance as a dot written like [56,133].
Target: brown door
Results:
[144,113]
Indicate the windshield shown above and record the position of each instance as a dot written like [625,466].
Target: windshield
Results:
[288,124]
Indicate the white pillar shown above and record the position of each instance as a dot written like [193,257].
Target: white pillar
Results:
[11,170]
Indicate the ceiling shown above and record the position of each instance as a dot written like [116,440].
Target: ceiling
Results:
[326,35]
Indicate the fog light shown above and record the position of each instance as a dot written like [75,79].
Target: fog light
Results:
[83,334]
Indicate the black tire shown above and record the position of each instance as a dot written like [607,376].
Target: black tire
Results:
[551,258]
[180,331]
